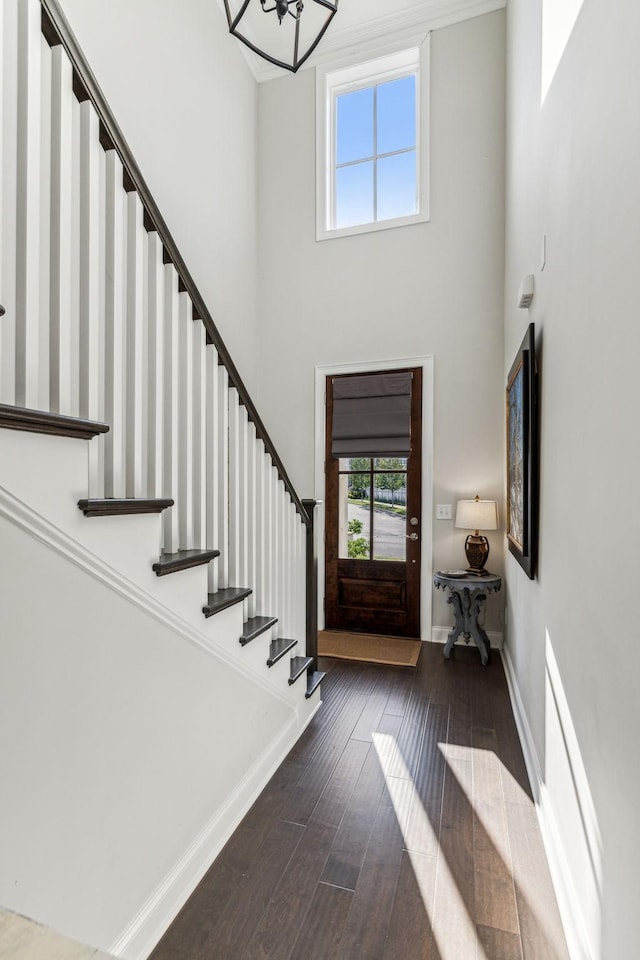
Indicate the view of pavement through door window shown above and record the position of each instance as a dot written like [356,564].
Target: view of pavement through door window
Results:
[372,511]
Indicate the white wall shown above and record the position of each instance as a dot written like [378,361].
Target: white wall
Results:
[433,288]
[572,174]
[186,103]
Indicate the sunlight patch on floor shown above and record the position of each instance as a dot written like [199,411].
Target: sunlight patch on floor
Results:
[453,928]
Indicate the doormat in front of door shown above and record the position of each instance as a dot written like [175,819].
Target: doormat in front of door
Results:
[368,647]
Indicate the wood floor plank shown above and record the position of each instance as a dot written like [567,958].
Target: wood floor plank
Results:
[540,925]
[366,927]
[495,903]
[196,925]
[342,714]
[350,844]
[373,711]
[410,933]
[423,830]
[309,788]
[238,923]
[321,934]
[410,735]
[454,909]
[241,849]
[401,687]
[283,918]
[500,945]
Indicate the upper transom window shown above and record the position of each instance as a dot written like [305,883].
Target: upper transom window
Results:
[372,146]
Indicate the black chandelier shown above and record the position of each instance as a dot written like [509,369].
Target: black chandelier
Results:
[289,33]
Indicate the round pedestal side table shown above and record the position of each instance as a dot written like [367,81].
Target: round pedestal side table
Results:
[468,594]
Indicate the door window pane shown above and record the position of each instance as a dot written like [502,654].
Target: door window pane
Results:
[390,493]
[390,513]
[354,516]
[355,463]
[390,463]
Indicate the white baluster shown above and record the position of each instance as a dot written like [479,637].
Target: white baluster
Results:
[243,506]
[199,436]
[115,362]
[223,477]
[234,488]
[91,345]
[28,206]
[301,580]
[155,367]
[262,601]
[134,344]
[8,190]
[282,558]
[170,444]
[252,533]
[212,460]
[291,565]
[61,231]
[44,278]
[185,422]
[274,549]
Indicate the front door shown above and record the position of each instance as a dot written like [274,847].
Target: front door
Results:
[372,537]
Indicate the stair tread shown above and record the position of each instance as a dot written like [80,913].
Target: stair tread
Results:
[112,507]
[279,648]
[224,598]
[182,560]
[298,667]
[253,627]
[313,682]
[55,424]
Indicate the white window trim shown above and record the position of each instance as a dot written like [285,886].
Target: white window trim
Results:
[331,81]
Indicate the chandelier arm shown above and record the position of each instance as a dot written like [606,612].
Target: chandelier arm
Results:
[268,9]
[240,15]
[321,34]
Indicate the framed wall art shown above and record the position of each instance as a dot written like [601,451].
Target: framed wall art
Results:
[522,456]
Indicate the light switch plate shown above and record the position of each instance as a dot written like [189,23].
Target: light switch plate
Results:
[443,511]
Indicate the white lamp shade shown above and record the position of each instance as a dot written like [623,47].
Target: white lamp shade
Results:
[477,515]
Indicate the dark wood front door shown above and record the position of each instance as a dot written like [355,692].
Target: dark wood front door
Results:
[373,539]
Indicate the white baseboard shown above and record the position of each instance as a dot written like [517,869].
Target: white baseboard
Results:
[143,933]
[441,635]
[566,896]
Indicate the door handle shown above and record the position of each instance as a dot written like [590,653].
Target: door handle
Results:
[412,536]
[2,311]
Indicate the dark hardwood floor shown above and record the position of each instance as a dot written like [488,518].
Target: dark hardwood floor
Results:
[400,827]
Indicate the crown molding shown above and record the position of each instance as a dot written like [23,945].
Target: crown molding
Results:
[380,34]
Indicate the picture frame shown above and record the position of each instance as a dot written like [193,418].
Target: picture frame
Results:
[522,455]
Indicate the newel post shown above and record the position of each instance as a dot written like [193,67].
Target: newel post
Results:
[312,585]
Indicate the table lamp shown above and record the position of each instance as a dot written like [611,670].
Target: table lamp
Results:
[477,515]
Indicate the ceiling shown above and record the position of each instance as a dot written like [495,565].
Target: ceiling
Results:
[371,27]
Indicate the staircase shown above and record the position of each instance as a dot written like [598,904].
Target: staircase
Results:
[106,343]
[111,342]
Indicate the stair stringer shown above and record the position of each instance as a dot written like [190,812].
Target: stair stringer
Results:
[278,719]
[48,475]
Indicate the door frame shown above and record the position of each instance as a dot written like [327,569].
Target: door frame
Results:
[336,369]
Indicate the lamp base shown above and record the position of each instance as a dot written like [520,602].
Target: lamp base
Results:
[477,551]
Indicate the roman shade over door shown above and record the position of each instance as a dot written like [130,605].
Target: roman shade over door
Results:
[372,415]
